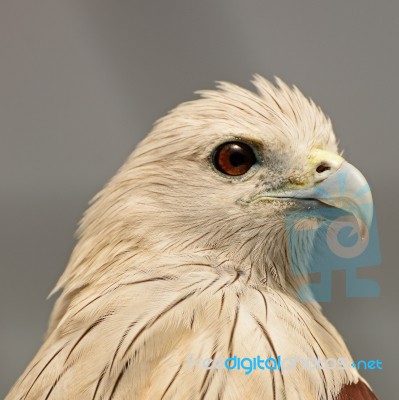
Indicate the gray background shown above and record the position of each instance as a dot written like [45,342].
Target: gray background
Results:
[81,82]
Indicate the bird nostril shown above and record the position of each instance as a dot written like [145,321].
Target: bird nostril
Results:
[322,167]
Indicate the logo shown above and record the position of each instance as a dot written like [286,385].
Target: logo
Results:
[342,235]
[283,364]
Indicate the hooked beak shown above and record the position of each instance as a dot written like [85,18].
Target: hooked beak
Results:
[335,182]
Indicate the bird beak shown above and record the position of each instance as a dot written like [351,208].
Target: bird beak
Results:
[335,182]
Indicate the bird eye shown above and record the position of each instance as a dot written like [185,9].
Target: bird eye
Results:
[234,158]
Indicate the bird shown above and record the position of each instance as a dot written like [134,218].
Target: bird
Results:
[183,259]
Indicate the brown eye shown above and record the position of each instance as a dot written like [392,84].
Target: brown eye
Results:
[234,158]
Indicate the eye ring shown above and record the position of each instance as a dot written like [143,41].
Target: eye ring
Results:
[234,158]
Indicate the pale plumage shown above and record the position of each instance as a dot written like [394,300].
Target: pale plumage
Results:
[175,259]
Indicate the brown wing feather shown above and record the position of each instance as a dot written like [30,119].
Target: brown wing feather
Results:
[356,391]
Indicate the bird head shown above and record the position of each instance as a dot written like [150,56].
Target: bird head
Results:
[218,176]
[185,251]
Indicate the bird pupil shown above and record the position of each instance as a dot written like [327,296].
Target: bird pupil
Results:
[237,159]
